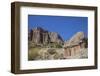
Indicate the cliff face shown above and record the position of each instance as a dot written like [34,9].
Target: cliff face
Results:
[76,47]
[54,37]
[40,36]
[45,45]
[75,40]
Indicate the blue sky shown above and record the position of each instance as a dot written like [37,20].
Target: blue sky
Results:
[65,26]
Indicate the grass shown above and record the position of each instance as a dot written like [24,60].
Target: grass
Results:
[33,53]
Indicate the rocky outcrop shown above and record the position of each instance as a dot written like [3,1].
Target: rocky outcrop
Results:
[75,40]
[54,37]
[40,36]
[74,46]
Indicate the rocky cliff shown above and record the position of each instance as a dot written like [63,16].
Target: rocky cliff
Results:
[51,45]
[78,38]
[39,35]
[76,47]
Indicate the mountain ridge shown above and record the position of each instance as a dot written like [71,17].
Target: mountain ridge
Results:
[39,35]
